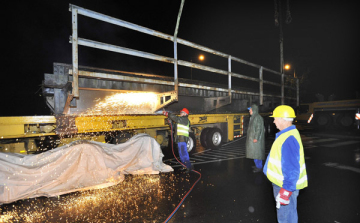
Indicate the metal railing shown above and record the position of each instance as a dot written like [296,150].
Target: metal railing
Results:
[75,40]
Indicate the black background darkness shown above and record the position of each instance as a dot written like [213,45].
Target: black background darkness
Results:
[321,42]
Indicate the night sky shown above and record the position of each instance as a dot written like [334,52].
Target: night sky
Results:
[321,42]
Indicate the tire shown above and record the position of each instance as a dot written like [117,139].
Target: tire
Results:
[323,120]
[214,138]
[203,137]
[345,121]
[267,128]
[273,129]
[191,144]
[270,128]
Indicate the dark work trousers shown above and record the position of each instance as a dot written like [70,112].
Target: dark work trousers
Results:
[258,164]
[184,155]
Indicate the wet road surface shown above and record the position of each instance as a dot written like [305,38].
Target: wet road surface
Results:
[228,190]
[231,192]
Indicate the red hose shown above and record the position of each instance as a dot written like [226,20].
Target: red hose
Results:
[183,199]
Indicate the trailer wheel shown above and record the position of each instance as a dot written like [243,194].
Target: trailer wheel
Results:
[203,136]
[323,120]
[191,144]
[269,128]
[214,138]
[345,120]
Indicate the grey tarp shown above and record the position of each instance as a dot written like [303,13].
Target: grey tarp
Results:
[81,165]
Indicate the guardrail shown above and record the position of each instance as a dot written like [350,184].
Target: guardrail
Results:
[76,41]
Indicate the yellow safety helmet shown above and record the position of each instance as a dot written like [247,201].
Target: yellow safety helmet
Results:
[283,111]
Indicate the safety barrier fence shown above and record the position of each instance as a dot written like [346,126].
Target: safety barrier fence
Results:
[75,40]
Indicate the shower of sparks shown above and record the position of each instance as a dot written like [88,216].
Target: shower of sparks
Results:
[126,103]
[139,198]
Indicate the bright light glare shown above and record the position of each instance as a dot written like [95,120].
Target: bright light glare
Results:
[126,103]
[287,67]
[130,98]
[201,57]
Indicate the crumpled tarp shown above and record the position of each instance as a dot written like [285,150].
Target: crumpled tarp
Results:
[81,165]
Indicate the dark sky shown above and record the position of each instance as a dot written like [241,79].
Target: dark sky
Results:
[321,42]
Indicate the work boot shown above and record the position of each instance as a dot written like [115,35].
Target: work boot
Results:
[257,170]
[190,168]
[183,169]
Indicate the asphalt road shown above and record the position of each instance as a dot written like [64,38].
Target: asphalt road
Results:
[231,192]
[224,189]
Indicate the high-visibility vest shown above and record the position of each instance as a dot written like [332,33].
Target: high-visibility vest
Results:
[183,130]
[274,170]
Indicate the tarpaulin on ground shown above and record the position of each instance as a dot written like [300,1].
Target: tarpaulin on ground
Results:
[81,165]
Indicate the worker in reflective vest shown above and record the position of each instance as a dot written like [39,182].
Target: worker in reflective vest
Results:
[182,135]
[285,165]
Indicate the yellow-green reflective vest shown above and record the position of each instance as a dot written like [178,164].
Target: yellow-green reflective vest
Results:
[274,170]
[183,130]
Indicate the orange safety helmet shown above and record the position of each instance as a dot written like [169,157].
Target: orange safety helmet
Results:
[185,110]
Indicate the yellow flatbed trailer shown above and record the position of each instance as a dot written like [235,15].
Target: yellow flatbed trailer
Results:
[31,134]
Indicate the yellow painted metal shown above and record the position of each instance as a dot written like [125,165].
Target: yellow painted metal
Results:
[27,120]
[219,118]
[16,147]
[230,127]
[127,122]
[31,146]
[242,125]
[26,146]
[8,130]
[151,132]
[23,126]
[65,141]
[209,118]
[118,122]
[237,126]
[35,126]
[159,139]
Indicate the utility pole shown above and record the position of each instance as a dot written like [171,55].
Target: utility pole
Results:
[278,22]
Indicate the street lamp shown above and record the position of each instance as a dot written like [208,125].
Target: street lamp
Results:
[201,58]
[278,22]
[288,67]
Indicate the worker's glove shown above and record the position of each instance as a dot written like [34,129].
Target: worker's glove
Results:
[165,113]
[283,197]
